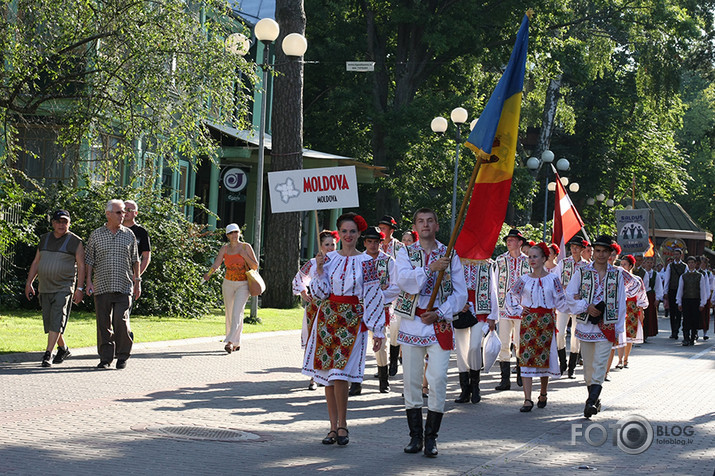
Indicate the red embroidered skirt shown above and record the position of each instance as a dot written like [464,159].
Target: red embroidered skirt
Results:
[339,320]
[633,312]
[538,327]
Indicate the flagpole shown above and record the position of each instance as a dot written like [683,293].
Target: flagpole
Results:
[457,225]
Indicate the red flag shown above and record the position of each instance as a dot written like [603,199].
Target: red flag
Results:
[567,221]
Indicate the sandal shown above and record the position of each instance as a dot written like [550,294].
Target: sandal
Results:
[228,348]
[526,408]
[542,403]
[425,394]
[619,366]
[329,440]
[625,364]
[343,440]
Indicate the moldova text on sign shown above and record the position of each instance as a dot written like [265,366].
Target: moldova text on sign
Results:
[313,189]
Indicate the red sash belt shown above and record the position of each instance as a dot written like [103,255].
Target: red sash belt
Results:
[471,295]
[419,311]
[344,299]
[442,330]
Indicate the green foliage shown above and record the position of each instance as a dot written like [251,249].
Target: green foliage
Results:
[181,251]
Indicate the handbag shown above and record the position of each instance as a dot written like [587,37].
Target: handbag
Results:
[256,284]
[464,320]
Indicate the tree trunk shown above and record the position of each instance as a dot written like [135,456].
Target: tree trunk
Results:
[282,236]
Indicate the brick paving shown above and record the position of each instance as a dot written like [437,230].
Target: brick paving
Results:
[74,419]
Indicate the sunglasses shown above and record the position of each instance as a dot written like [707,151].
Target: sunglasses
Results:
[120,212]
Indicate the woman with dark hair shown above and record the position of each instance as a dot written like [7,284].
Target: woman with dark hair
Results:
[535,297]
[348,285]
[409,237]
[301,282]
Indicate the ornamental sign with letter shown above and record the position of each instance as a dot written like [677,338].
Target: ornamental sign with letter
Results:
[235,179]
[313,189]
[632,228]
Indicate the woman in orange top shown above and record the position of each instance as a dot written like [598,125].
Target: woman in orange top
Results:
[238,258]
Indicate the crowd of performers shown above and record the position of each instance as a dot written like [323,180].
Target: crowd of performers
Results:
[530,298]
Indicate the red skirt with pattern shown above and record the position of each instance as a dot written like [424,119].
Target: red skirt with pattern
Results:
[538,326]
[339,320]
[633,315]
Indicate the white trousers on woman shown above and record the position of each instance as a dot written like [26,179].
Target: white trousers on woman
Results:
[468,344]
[413,364]
[235,295]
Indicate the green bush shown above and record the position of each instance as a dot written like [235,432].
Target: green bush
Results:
[181,250]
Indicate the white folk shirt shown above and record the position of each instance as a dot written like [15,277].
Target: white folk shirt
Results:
[704,289]
[658,289]
[388,285]
[515,267]
[392,247]
[485,293]
[545,292]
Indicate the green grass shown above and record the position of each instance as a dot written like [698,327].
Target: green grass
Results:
[22,331]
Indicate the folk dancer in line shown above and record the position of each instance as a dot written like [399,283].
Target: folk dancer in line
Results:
[672,274]
[535,297]
[347,283]
[654,292]
[565,270]
[482,306]
[691,297]
[385,265]
[597,295]
[391,246]
[509,266]
[710,277]
[636,303]
[427,331]
[550,264]
[301,287]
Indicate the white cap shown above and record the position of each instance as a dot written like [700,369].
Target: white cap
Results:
[232,227]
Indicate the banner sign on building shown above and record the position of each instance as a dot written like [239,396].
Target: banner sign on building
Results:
[632,228]
[313,189]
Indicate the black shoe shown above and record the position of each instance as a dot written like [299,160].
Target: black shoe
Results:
[542,403]
[519,382]
[686,343]
[474,383]
[706,337]
[103,365]
[47,359]
[414,421]
[466,394]
[355,389]
[562,360]
[394,356]
[343,440]
[434,421]
[573,359]
[62,354]
[330,440]
[671,336]
[382,375]
[505,372]
[526,408]
[122,364]
[593,404]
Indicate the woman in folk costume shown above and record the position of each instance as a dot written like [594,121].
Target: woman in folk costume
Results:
[634,312]
[654,293]
[347,282]
[301,283]
[550,264]
[710,279]
[482,306]
[535,297]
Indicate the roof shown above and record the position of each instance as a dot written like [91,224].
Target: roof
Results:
[669,216]
[254,10]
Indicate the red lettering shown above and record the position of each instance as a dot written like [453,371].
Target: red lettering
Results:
[306,185]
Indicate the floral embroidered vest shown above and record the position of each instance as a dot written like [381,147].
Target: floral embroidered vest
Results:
[406,304]
[610,291]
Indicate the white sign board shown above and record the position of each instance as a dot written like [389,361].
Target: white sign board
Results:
[633,230]
[313,189]
[360,66]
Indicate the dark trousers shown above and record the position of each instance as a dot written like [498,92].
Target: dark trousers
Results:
[675,314]
[113,325]
[691,318]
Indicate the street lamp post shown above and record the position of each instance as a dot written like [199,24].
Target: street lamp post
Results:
[534,164]
[294,45]
[439,125]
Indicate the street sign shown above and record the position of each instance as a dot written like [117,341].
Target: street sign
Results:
[313,189]
[360,66]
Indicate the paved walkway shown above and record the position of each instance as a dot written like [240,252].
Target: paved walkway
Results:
[73,419]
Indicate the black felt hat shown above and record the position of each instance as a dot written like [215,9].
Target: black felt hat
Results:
[389,221]
[373,232]
[604,240]
[516,234]
[576,240]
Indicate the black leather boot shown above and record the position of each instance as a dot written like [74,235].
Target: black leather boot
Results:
[505,371]
[593,403]
[382,375]
[466,389]
[394,355]
[414,421]
[434,420]
[562,360]
[519,382]
[573,358]
[474,382]
[355,389]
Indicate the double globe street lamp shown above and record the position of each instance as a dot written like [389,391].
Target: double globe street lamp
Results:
[534,164]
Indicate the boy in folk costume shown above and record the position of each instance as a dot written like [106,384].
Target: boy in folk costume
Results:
[710,278]
[691,297]
[597,295]
[391,246]
[482,306]
[565,270]
[654,293]
[427,331]
[636,302]
[671,277]
[509,267]
[385,265]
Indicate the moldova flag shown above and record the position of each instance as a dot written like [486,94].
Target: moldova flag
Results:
[493,140]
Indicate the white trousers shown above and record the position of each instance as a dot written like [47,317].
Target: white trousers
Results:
[381,354]
[394,328]
[468,343]
[595,360]
[413,364]
[508,332]
[562,319]
[235,295]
